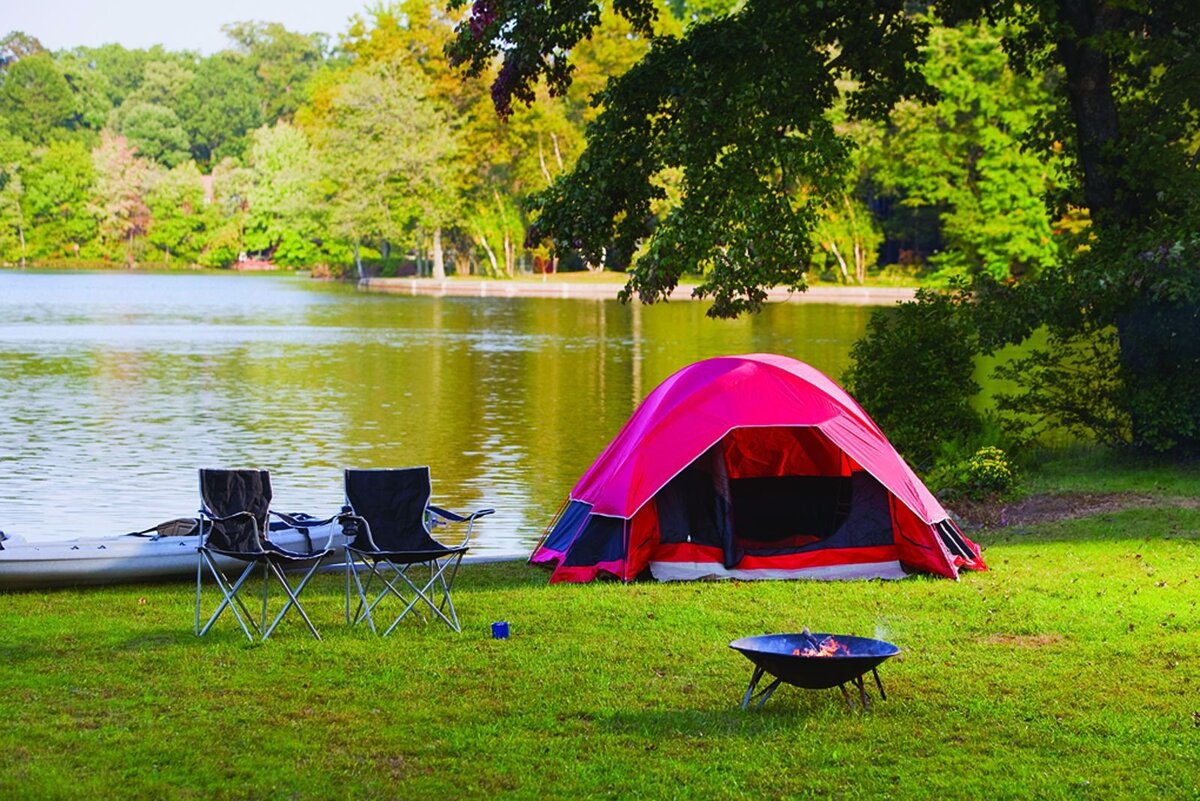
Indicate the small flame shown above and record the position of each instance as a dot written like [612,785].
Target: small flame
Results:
[824,647]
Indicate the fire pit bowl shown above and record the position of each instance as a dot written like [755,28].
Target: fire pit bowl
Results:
[781,656]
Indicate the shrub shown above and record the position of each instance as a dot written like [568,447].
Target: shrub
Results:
[988,473]
[912,372]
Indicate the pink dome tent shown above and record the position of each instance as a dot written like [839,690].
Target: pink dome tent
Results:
[752,467]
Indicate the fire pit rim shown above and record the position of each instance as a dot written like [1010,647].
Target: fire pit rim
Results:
[741,645]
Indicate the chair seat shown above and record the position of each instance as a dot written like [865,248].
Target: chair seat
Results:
[403,557]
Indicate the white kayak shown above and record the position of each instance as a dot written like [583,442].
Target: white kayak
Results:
[129,557]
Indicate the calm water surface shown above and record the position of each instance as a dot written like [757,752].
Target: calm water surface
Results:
[116,387]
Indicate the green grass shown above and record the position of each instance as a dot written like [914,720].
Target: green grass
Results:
[1070,670]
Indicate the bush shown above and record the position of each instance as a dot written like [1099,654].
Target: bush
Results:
[988,473]
[912,372]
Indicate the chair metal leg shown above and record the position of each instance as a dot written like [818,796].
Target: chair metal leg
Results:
[293,598]
[363,609]
[437,568]
[263,626]
[230,598]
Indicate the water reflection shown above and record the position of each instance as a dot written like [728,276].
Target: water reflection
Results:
[118,386]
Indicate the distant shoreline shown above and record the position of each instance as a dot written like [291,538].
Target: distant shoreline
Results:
[607,290]
[602,288]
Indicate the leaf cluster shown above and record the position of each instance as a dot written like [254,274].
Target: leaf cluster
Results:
[759,84]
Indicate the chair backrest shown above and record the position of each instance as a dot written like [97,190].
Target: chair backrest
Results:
[394,502]
[227,492]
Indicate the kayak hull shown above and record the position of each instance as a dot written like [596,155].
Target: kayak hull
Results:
[127,558]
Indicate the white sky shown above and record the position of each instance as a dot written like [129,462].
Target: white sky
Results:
[175,24]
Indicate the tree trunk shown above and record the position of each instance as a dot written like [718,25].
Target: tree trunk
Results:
[21,239]
[439,263]
[358,260]
[1090,89]
[860,262]
[542,163]
[557,152]
[483,243]
[841,262]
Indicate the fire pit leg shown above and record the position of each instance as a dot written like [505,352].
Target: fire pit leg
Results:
[879,684]
[764,695]
[862,692]
[846,695]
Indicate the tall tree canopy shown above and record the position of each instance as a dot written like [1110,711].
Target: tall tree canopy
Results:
[740,103]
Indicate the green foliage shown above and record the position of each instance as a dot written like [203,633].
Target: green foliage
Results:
[155,131]
[90,92]
[847,237]
[286,211]
[16,45]
[388,153]
[987,474]
[912,373]
[283,61]
[175,200]
[58,190]
[35,98]
[767,136]
[1072,384]
[220,106]
[963,157]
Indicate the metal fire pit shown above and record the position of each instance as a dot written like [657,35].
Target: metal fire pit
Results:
[776,654]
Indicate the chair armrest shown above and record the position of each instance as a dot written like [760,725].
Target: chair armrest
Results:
[207,515]
[361,528]
[457,518]
[304,521]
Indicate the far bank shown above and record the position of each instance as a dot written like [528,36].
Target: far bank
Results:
[607,290]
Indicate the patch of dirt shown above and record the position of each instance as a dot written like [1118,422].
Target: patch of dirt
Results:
[1025,640]
[1047,508]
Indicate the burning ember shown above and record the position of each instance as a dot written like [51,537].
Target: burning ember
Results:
[824,647]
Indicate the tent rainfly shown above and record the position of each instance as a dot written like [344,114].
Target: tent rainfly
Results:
[752,467]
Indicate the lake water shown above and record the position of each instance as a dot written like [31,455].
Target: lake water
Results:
[117,386]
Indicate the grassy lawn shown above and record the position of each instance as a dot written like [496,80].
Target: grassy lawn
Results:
[1071,669]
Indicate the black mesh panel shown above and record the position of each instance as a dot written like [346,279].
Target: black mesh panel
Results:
[227,492]
[394,503]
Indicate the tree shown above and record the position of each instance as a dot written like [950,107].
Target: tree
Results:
[35,99]
[758,83]
[14,155]
[123,71]
[739,103]
[286,211]
[963,158]
[58,187]
[226,211]
[119,201]
[154,131]
[175,201]
[90,91]
[387,150]
[17,45]
[220,107]
[164,83]
[283,60]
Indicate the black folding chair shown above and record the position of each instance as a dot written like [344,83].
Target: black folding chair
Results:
[388,523]
[234,514]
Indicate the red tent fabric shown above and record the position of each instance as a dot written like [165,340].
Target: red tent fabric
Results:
[763,431]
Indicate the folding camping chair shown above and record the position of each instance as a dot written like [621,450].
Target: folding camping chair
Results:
[234,514]
[388,523]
